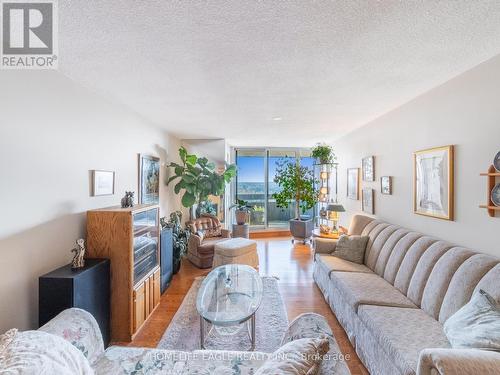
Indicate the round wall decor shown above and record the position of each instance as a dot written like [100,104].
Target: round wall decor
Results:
[496,161]
[495,195]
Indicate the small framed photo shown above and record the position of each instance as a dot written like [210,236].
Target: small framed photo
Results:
[353,183]
[367,200]
[103,183]
[368,168]
[386,185]
[433,182]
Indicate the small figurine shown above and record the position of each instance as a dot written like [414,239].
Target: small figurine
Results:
[128,199]
[78,261]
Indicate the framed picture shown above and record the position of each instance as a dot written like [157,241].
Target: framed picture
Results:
[368,166]
[353,183]
[103,183]
[149,179]
[367,200]
[386,185]
[433,182]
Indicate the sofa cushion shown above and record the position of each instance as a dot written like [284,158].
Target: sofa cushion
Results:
[440,279]
[351,248]
[410,261]
[398,254]
[387,248]
[424,268]
[463,283]
[331,263]
[38,352]
[403,333]
[208,245]
[367,288]
[358,224]
[476,325]
[378,245]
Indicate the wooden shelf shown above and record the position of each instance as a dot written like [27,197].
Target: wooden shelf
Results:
[494,208]
[494,174]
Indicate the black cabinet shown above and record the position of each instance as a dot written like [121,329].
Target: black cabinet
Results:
[166,257]
[87,288]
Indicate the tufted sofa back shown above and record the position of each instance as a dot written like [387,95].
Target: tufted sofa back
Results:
[203,223]
[437,276]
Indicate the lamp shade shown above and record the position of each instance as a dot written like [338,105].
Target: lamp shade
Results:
[335,208]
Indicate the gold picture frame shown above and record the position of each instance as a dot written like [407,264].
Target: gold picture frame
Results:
[433,182]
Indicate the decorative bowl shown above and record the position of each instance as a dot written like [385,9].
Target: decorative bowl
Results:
[495,195]
[496,161]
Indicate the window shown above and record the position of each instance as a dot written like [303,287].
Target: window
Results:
[255,184]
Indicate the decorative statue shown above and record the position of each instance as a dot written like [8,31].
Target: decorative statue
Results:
[128,199]
[79,250]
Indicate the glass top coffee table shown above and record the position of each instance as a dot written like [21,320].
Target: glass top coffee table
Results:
[229,296]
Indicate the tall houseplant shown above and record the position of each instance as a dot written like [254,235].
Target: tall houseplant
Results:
[198,178]
[297,184]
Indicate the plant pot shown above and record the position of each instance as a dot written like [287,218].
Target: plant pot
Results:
[258,217]
[176,266]
[241,216]
[301,229]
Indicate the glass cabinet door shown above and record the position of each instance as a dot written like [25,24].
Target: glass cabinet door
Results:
[146,232]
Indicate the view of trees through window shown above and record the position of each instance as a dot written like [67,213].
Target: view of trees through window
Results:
[255,183]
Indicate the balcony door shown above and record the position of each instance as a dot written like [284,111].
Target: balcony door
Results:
[255,184]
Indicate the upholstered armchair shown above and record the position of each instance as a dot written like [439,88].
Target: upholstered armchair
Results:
[206,231]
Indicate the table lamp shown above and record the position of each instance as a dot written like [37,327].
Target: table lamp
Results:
[333,214]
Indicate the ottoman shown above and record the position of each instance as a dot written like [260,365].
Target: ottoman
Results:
[236,251]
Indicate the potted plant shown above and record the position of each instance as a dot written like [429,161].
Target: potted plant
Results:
[198,178]
[242,212]
[297,184]
[180,237]
[323,153]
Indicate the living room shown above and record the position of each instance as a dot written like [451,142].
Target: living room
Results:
[314,187]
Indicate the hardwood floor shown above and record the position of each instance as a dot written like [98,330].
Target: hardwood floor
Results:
[292,264]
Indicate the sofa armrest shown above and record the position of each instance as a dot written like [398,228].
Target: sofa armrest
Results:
[458,362]
[324,245]
[79,328]
[226,233]
[194,241]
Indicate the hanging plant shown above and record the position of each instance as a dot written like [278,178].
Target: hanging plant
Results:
[323,153]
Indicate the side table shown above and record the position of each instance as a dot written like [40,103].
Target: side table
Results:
[241,230]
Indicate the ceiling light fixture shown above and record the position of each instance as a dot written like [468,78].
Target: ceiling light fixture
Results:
[277,118]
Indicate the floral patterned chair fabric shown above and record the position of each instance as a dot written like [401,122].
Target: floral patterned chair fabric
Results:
[80,329]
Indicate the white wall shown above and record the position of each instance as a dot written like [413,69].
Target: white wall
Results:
[464,112]
[52,132]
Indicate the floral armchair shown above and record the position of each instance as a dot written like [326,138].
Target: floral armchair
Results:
[206,231]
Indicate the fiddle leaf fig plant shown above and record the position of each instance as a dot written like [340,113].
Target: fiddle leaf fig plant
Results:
[297,184]
[197,178]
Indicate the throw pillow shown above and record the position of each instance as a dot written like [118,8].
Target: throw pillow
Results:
[38,352]
[213,232]
[298,357]
[200,233]
[476,325]
[351,248]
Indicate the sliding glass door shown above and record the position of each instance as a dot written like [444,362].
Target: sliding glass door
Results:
[251,183]
[255,183]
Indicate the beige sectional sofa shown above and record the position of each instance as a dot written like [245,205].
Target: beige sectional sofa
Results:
[393,306]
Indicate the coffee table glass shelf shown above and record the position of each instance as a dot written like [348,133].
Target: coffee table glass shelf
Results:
[229,296]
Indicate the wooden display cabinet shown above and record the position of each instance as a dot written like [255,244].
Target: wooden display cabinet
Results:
[129,237]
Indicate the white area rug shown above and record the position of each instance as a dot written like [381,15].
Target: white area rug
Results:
[183,333]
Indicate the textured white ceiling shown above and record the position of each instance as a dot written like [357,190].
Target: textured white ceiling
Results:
[225,69]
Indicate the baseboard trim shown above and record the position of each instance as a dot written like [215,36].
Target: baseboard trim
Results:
[270,233]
